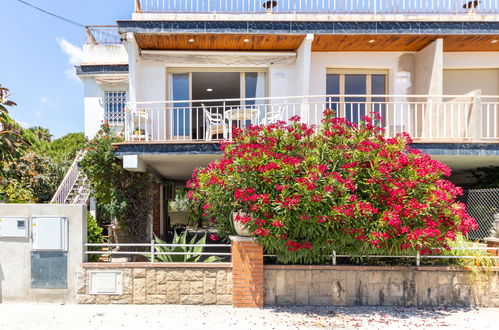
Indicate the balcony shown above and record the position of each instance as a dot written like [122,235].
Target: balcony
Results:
[317,7]
[470,118]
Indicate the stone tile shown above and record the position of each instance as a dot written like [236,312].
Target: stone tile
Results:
[121,299]
[196,288]
[85,299]
[191,300]
[175,275]
[139,273]
[210,285]
[210,273]
[185,287]
[209,299]
[156,299]
[161,277]
[102,299]
[128,282]
[193,275]
[151,281]
[224,300]
[139,290]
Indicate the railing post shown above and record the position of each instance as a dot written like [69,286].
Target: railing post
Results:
[418,259]
[90,36]
[138,6]
[152,251]
[477,115]
[334,258]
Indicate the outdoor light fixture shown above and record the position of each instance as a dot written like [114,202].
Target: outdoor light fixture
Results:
[209,89]
[191,40]
[269,5]
[495,41]
[470,6]
[246,40]
[372,41]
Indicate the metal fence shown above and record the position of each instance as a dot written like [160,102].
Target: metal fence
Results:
[150,252]
[481,204]
[102,35]
[373,7]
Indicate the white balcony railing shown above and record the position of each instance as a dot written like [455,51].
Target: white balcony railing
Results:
[374,7]
[427,118]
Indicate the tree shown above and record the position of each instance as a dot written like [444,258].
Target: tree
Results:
[123,198]
[11,140]
[40,133]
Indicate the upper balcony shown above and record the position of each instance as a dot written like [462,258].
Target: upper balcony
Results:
[316,10]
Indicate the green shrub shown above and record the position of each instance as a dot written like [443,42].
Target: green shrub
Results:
[343,187]
[190,251]
[94,236]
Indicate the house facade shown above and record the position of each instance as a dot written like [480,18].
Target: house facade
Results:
[177,77]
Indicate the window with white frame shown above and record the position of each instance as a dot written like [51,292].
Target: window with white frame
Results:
[114,107]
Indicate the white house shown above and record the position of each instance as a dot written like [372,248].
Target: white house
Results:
[178,75]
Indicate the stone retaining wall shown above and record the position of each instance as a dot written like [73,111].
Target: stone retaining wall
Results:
[145,283]
[378,286]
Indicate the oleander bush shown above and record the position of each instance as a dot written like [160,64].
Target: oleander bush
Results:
[310,190]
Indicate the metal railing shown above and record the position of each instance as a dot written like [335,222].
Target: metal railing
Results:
[427,118]
[102,35]
[374,7]
[68,183]
[149,250]
[418,257]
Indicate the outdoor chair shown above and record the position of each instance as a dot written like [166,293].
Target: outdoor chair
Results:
[214,123]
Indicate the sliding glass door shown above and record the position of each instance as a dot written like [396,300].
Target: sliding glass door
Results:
[213,91]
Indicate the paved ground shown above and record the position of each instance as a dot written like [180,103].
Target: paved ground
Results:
[73,317]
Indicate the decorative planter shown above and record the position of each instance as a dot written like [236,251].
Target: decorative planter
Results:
[240,228]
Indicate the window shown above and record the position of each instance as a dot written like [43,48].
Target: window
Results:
[114,107]
[346,85]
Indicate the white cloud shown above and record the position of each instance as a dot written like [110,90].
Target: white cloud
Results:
[38,114]
[75,53]
[75,56]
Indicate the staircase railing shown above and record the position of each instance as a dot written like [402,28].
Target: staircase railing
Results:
[67,184]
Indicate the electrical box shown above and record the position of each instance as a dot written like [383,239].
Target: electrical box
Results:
[14,227]
[106,283]
[49,233]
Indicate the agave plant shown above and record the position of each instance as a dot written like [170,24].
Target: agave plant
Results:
[190,251]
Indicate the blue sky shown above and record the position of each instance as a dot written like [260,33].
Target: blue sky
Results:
[35,55]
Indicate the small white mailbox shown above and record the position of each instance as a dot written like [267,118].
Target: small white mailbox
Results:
[14,227]
[49,233]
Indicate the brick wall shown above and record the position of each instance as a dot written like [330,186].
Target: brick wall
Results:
[248,274]
[144,283]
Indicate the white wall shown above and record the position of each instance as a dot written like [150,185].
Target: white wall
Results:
[104,54]
[93,102]
[429,69]
[15,254]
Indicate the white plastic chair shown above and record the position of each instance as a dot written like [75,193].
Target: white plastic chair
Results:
[273,116]
[214,123]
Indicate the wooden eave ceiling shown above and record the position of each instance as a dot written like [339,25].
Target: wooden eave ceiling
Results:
[220,42]
[321,43]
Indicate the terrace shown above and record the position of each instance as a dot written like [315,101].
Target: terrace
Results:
[470,118]
[305,8]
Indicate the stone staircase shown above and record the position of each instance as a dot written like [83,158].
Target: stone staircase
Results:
[74,188]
